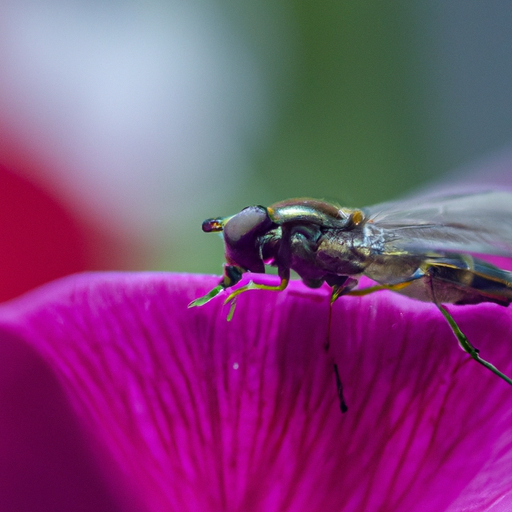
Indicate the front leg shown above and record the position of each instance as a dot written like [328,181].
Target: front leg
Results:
[232,275]
[251,285]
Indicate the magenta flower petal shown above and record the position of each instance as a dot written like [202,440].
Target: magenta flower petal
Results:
[46,462]
[190,412]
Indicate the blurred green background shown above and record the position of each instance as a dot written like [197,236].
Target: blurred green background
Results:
[349,124]
[372,100]
[143,119]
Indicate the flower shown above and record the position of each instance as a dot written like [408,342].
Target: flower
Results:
[115,396]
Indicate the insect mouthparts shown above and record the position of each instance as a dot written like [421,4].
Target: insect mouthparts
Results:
[213,225]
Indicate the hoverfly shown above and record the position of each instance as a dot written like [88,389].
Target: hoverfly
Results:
[422,248]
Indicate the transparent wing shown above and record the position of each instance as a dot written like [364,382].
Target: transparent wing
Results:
[475,223]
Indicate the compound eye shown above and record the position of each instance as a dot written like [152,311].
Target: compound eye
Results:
[251,221]
[241,237]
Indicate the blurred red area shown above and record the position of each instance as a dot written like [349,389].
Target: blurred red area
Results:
[41,240]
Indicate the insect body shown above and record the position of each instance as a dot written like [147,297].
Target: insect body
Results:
[420,248]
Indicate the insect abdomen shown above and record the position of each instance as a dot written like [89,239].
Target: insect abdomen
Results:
[482,282]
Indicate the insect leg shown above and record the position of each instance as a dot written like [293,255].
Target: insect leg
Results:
[346,288]
[467,347]
[379,287]
[396,287]
[464,343]
[342,288]
[339,387]
[232,274]
[251,285]
[340,285]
